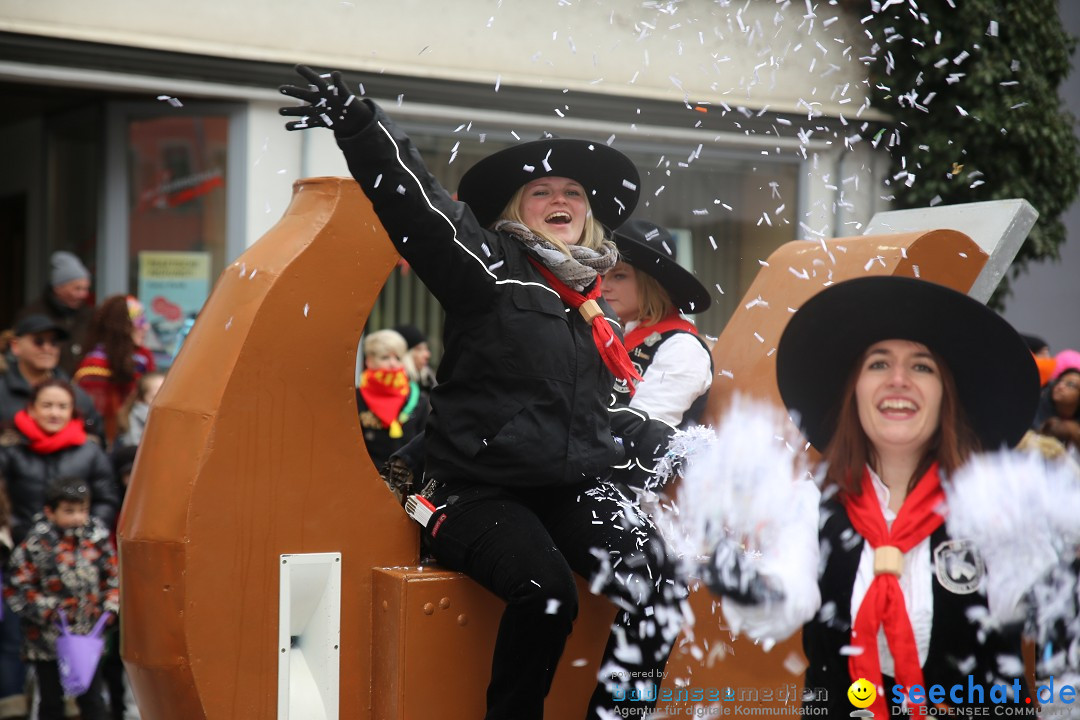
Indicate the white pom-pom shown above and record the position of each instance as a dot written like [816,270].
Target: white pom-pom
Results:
[739,480]
[1023,515]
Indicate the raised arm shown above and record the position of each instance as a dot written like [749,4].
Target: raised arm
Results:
[459,261]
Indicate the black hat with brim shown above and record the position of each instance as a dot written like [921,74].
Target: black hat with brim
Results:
[996,377]
[610,180]
[651,249]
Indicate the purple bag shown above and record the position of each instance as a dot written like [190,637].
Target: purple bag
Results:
[78,655]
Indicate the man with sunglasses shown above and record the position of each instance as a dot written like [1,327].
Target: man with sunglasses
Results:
[34,356]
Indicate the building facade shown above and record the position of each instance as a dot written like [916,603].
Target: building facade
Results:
[138,130]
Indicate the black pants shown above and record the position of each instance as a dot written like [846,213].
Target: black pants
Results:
[91,703]
[524,545]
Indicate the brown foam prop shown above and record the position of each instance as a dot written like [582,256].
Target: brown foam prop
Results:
[253,450]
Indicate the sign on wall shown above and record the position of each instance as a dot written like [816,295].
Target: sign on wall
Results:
[173,287]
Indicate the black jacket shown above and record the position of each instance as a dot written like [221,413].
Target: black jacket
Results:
[15,394]
[522,390]
[958,646]
[27,473]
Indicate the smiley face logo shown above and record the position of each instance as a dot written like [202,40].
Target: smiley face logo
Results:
[862,693]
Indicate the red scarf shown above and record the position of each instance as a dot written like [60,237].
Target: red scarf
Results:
[386,392]
[672,322]
[71,435]
[611,350]
[884,606]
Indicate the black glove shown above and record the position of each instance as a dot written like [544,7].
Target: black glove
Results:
[730,573]
[331,105]
[399,477]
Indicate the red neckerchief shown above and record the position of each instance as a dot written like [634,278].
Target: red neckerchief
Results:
[385,392]
[883,606]
[611,350]
[672,322]
[71,435]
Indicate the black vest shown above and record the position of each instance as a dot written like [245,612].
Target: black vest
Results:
[642,357]
[958,647]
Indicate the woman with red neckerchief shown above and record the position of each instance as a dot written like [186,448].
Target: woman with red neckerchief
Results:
[392,408]
[878,373]
[519,443]
[49,441]
[650,292]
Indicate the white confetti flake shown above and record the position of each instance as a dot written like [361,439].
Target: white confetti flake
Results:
[307,307]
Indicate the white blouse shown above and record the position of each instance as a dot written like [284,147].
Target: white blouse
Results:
[679,374]
[796,575]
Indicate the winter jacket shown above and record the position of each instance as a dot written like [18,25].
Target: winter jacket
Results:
[140,413]
[15,393]
[28,473]
[76,322]
[522,391]
[53,570]
[96,379]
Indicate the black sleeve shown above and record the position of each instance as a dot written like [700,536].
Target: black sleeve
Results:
[88,412]
[459,261]
[104,499]
[644,440]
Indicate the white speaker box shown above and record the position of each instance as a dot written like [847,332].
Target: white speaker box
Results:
[309,636]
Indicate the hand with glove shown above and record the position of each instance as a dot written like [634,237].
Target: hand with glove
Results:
[730,573]
[329,104]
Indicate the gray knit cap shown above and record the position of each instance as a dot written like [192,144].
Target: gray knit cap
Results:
[66,267]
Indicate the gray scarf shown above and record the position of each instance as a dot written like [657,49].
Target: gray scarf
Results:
[577,271]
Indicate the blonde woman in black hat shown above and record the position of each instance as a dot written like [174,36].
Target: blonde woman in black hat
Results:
[519,442]
[878,372]
[650,292]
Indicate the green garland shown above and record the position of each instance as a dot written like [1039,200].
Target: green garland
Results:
[971,86]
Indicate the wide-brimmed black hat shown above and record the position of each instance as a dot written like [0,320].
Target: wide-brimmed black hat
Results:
[995,373]
[651,249]
[608,176]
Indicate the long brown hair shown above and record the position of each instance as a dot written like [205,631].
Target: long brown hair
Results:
[112,329]
[850,450]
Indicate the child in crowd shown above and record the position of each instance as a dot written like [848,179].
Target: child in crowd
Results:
[66,564]
[131,420]
[392,411]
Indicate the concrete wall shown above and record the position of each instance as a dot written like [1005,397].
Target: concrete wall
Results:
[755,53]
